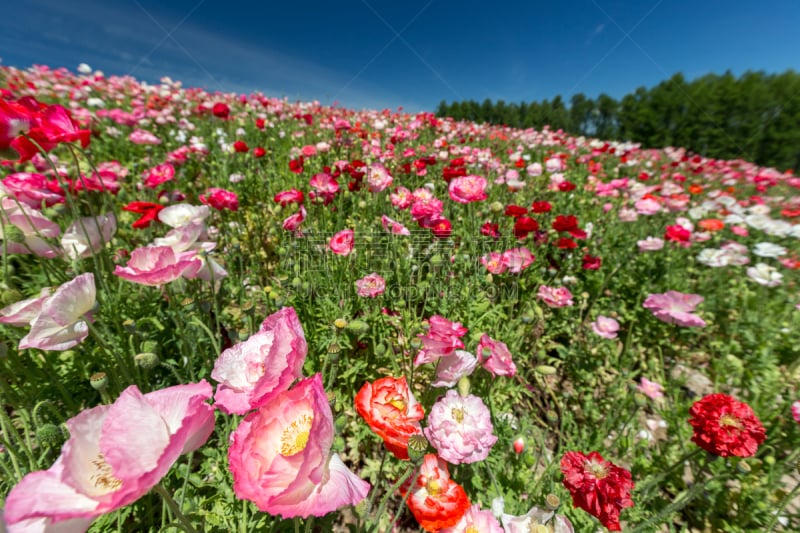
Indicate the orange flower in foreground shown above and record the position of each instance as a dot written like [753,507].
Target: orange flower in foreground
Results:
[436,501]
[391,411]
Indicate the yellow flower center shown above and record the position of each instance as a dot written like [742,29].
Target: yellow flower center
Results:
[472,529]
[103,478]
[295,436]
[457,414]
[598,470]
[433,487]
[540,528]
[398,403]
[730,421]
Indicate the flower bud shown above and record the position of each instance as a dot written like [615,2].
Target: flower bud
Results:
[340,323]
[357,326]
[743,467]
[49,435]
[146,360]
[496,206]
[519,445]
[99,381]
[417,446]
[545,370]
[552,416]
[463,386]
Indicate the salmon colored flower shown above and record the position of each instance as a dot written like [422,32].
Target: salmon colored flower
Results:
[724,426]
[391,411]
[280,456]
[114,456]
[436,501]
[597,486]
[158,265]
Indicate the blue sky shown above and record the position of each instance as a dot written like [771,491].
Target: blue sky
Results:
[415,53]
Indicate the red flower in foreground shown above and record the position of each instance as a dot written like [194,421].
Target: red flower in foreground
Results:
[221,110]
[678,234]
[597,486]
[724,426]
[391,411]
[436,501]
[148,210]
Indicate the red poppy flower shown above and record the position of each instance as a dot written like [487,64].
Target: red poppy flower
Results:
[296,165]
[591,262]
[441,228]
[569,223]
[523,226]
[259,152]
[566,186]
[597,486]
[566,244]
[677,233]
[391,411]
[516,211]
[490,230]
[221,110]
[436,501]
[724,426]
[541,206]
[148,210]
[292,196]
[240,147]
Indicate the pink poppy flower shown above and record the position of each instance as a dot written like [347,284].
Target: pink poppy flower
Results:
[650,244]
[555,297]
[292,222]
[651,389]
[442,339]
[61,321]
[393,226]
[33,189]
[280,456]
[378,177]
[24,312]
[494,356]
[675,307]
[537,517]
[220,199]
[460,428]
[114,456]
[325,187]
[606,327]
[158,175]
[401,198]
[467,189]
[342,242]
[518,259]
[475,520]
[453,367]
[88,235]
[292,196]
[254,371]
[494,263]
[157,265]
[796,411]
[143,137]
[371,285]
[35,228]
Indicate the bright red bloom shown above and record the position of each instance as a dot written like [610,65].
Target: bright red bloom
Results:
[678,233]
[541,207]
[391,411]
[490,230]
[597,486]
[258,152]
[436,501]
[159,174]
[591,262]
[240,147]
[15,119]
[724,426]
[221,110]
[296,165]
[148,210]
[292,196]
[220,199]
[441,228]
[565,243]
[523,226]
[516,211]
[566,186]
[569,223]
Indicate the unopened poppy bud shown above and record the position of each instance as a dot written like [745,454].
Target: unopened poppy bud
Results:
[640,399]
[497,207]
[146,360]
[415,343]
[545,370]
[463,386]
[552,502]
[13,234]
[9,296]
[551,416]
[358,326]
[340,323]
[99,381]
[417,446]
[743,467]
[49,435]
[437,260]
[129,325]
[519,445]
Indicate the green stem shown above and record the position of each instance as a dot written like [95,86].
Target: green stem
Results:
[390,493]
[173,506]
[784,502]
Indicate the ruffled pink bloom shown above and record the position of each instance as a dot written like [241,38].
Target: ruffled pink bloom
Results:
[494,262]
[475,520]
[650,244]
[280,456]
[518,259]
[143,137]
[114,456]
[647,206]
[467,189]
[24,312]
[460,428]
[158,175]
[393,226]
[651,389]
[378,177]
[401,198]
[606,327]
[453,367]
[325,187]
[256,370]
[342,242]
[371,285]
[426,211]
[87,235]
[157,265]
[33,189]
[442,339]
[494,356]
[220,199]
[555,297]
[35,229]
[61,322]
[675,307]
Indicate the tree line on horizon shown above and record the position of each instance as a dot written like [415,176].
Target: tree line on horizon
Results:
[755,117]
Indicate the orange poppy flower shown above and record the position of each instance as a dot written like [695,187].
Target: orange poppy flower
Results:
[711,224]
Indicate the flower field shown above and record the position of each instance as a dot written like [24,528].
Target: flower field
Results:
[237,313]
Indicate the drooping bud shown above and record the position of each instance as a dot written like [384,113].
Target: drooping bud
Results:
[146,360]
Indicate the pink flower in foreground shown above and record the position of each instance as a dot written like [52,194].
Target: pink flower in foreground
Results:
[453,367]
[460,428]
[280,456]
[675,307]
[254,371]
[651,389]
[114,456]
[61,321]
[796,411]
[494,356]
[555,297]
[518,259]
[342,242]
[606,327]
[474,521]
[468,189]
[371,285]
[442,339]
[24,312]
[157,265]
[494,263]
[33,189]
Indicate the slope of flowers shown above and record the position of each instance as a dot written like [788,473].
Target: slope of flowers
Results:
[235,312]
